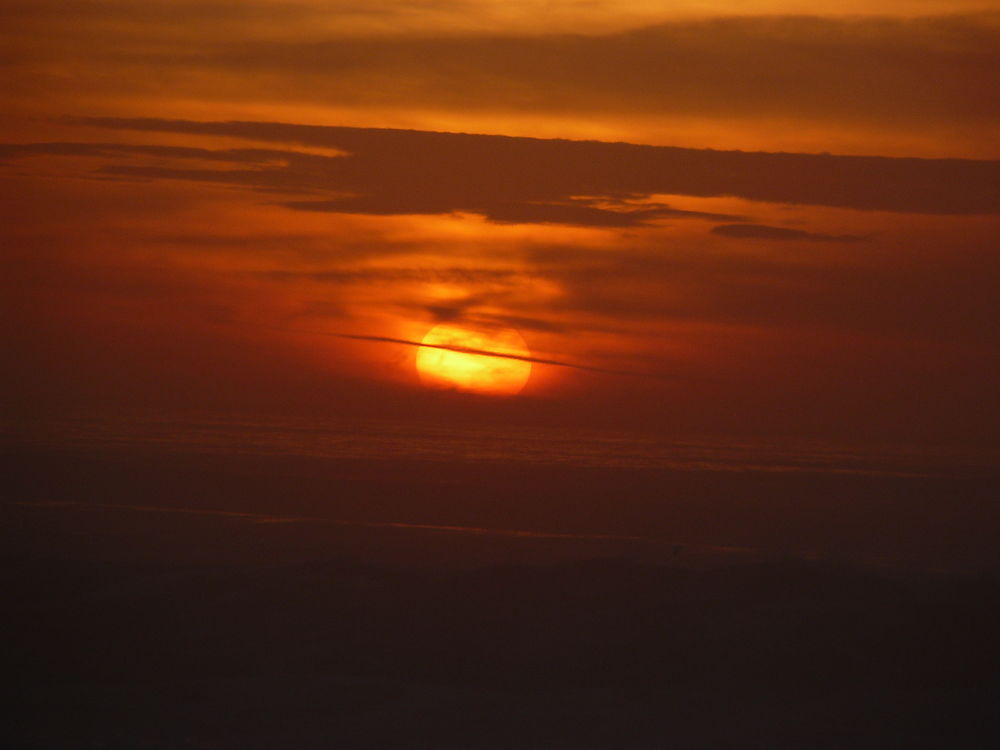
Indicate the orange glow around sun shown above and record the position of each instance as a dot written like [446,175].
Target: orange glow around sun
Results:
[463,368]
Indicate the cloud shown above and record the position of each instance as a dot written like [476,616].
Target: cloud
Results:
[520,322]
[574,213]
[391,275]
[762,232]
[143,300]
[237,156]
[939,70]
[911,290]
[408,171]
[386,172]
[871,69]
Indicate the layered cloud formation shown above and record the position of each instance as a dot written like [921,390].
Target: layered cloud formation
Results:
[777,222]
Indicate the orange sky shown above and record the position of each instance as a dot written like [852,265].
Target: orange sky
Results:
[162,256]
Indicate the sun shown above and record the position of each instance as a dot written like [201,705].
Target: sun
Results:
[450,357]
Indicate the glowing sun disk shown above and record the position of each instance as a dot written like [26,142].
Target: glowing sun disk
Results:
[469,370]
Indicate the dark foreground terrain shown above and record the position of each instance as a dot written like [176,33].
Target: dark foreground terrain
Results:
[587,654]
[231,600]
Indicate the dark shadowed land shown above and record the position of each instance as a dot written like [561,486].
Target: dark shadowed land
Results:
[589,654]
[167,595]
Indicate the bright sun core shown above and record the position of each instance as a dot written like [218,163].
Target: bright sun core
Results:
[443,367]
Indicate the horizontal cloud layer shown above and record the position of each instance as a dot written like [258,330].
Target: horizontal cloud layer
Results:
[894,72]
[534,180]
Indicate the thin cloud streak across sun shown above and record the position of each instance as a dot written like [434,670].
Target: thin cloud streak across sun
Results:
[486,353]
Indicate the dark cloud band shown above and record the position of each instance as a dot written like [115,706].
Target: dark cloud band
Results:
[532,180]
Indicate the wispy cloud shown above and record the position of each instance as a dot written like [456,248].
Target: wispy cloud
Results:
[763,232]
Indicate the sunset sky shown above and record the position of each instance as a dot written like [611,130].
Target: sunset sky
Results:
[753,218]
